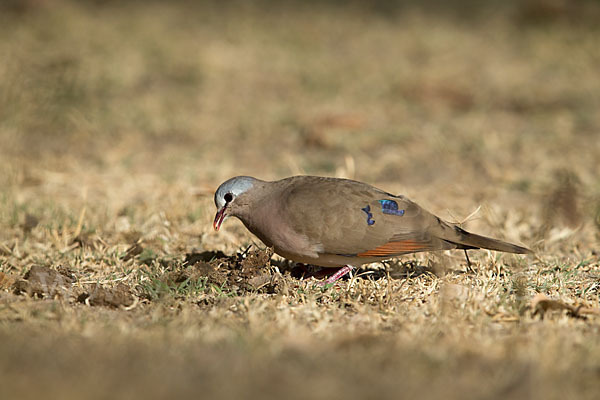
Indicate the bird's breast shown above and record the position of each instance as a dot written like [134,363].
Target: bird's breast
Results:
[287,242]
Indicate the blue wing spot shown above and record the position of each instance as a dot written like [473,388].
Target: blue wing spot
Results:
[370,220]
[390,207]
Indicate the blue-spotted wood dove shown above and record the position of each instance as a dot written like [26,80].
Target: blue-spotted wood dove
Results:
[335,222]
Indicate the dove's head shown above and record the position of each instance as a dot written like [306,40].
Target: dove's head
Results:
[226,197]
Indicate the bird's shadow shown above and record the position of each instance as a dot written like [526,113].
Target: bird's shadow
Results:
[395,270]
[401,270]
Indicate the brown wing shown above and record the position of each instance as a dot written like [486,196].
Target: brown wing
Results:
[350,218]
[347,217]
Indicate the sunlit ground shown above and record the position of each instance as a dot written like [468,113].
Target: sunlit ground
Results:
[119,120]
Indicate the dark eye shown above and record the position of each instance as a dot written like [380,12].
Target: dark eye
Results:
[228,197]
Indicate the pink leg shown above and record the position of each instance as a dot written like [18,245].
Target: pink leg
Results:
[335,277]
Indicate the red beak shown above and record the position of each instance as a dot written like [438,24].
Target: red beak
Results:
[219,218]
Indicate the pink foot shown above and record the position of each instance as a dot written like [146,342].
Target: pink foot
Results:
[339,274]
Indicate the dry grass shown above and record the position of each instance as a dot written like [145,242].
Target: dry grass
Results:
[118,121]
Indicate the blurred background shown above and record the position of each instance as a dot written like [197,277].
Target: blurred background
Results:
[118,119]
[465,100]
[411,95]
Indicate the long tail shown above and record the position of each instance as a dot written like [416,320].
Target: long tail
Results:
[468,240]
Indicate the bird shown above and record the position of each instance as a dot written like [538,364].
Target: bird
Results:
[336,222]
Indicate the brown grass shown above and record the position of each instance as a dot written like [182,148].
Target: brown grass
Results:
[118,121]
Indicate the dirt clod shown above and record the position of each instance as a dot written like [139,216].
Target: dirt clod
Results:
[209,270]
[247,271]
[43,281]
[257,259]
[108,297]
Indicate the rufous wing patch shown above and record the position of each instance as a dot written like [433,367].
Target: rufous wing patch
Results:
[397,247]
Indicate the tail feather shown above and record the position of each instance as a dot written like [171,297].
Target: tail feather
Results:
[470,240]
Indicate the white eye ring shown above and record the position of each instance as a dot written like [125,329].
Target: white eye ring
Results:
[228,197]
